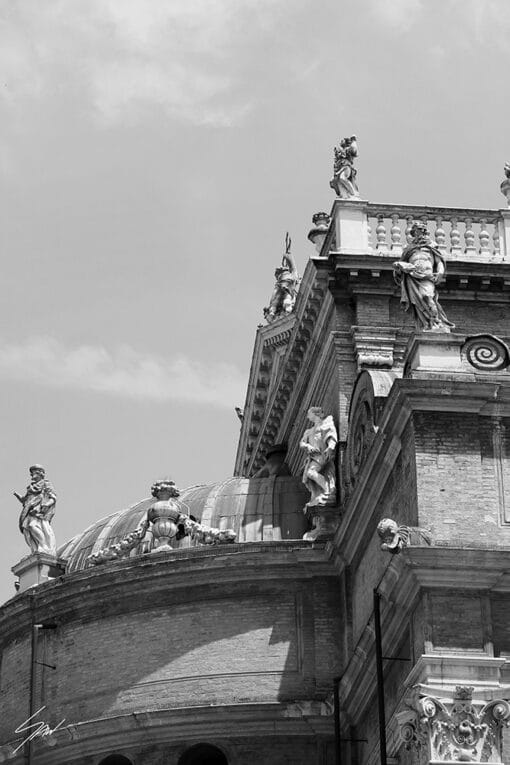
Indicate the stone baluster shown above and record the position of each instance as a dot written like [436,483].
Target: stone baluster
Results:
[440,235]
[455,238]
[469,238]
[409,236]
[497,241]
[380,232]
[396,235]
[484,238]
[369,235]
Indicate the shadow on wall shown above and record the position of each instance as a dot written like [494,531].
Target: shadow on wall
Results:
[244,646]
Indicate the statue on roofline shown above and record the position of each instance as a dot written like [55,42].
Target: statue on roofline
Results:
[38,510]
[319,444]
[418,272]
[164,521]
[285,289]
[344,172]
[505,186]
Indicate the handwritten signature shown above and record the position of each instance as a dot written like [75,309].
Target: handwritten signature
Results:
[38,729]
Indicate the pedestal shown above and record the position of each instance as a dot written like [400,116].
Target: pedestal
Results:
[325,521]
[351,226]
[38,568]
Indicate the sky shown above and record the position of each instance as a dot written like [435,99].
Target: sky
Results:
[152,157]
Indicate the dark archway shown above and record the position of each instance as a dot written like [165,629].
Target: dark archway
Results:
[203,754]
[115,759]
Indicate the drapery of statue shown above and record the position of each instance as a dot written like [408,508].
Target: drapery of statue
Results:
[38,510]
[418,272]
[343,181]
[285,289]
[319,444]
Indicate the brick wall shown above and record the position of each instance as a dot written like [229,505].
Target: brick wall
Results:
[274,646]
[458,494]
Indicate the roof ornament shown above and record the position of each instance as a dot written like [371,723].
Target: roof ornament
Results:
[343,181]
[285,289]
[395,537]
[164,521]
[505,186]
[37,514]
[420,268]
[317,234]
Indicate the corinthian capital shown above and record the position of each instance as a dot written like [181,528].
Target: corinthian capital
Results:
[455,730]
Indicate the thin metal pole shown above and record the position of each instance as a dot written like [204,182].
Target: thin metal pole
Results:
[33,668]
[336,699]
[380,677]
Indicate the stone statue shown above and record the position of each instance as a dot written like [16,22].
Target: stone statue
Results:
[163,521]
[417,273]
[505,186]
[38,511]
[285,289]
[395,537]
[319,444]
[344,172]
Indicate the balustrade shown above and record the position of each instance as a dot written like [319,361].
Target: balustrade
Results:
[460,234]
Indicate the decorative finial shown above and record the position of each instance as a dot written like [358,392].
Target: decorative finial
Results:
[418,272]
[166,520]
[505,186]
[318,233]
[285,289]
[343,181]
[239,412]
[38,510]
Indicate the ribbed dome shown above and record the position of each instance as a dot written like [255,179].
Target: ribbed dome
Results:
[258,509]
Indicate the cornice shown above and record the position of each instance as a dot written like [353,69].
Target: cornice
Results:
[309,307]
[146,581]
[268,339]
[131,733]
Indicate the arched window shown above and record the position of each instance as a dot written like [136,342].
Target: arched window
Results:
[203,754]
[115,759]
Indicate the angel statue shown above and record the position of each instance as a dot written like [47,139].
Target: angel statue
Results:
[417,273]
[344,172]
[319,444]
[38,510]
[285,289]
[395,537]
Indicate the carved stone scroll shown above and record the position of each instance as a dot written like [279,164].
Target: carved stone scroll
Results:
[456,730]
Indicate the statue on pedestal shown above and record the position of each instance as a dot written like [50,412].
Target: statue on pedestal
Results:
[344,172]
[285,289]
[35,519]
[319,444]
[417,273]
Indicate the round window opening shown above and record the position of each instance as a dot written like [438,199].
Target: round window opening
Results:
[203,754]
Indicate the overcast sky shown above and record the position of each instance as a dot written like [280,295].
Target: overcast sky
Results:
[152,155]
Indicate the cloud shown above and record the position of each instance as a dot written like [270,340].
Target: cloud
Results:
[125,373]
[399,15]
[121,56]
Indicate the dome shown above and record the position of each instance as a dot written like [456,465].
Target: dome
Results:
[257,509]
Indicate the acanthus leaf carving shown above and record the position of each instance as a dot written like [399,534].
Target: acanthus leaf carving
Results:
[456,730]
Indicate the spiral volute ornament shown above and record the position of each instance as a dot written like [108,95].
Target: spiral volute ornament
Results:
[487,353]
